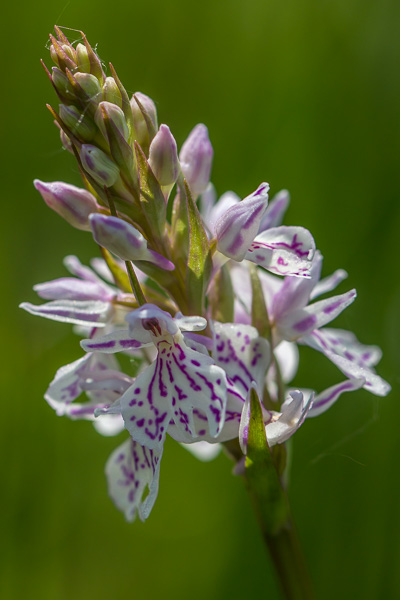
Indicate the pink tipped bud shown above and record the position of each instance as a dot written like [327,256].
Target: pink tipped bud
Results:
[196,158]
[141,131]
[124,240]
[237,227]
[62,83]
[70,202]
[163,157]
[100,166]
[107,110]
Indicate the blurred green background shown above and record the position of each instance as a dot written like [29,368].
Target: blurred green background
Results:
[305,95]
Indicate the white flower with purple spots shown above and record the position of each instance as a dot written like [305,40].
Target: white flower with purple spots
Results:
[179,382]
[247,230]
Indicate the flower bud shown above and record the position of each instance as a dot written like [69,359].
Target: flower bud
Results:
[124,240]
[82,58]
[111,92]
[141,131]
[237,227]
[80,125]
[72,203]
[107,110]
[100,166]
[196,157]
[163,157]
[62,83]
[66,142]
[90,85]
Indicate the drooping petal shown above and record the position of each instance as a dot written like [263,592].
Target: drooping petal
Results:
[179,382]
[301,322]
[274,214]
[236,229]
[328,397]
[132,470]
[244,356]
[119,340]
[294,412]
[347,361]
[283,250]
[69,288]
[328,283]
[72,379]
[75,267]
[80,312]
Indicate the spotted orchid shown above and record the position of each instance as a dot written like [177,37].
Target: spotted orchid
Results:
[207,301]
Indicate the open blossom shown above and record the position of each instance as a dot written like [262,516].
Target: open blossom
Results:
[211,300]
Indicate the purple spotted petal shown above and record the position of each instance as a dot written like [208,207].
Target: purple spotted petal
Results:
[83,312]
[284,251]
[236,229]
[303,321]
[275,212]
[328,397]
[244,356]
[68,288]
[294,412]
[117,341]
[131,471]
[179,382]
[348,360]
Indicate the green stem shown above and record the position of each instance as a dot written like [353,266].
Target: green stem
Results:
[285,551]
[137,290]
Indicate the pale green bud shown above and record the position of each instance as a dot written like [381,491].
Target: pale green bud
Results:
[141,131]
[62,83]
[107,110]
[82,58]
[80,125]
[111,92]
[90,85]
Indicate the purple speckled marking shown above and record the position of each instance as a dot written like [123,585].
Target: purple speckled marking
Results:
[331,307]
[130,344]
[202,432]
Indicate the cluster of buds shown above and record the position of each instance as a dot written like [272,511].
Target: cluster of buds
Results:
[210,299]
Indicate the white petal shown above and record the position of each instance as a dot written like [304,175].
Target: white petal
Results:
[109,425]
[283,250]
[130,471]
[203,450]
[85,312]
[347,361]
[294,411]
[328,283]
[274,214]
[119,340]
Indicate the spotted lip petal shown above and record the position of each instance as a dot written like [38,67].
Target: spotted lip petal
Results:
[179,382]
[349,358]
[85,312]
[131,470]
[244,356]
[236,229]
[283,250]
